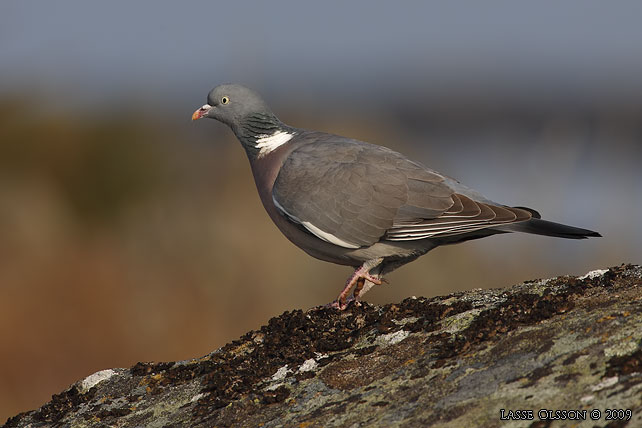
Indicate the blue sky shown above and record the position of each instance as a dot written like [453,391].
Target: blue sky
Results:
[173,49]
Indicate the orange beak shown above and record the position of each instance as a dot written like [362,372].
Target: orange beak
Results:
[201,112]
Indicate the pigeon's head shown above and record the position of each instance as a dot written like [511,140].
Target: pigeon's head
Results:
[230,104]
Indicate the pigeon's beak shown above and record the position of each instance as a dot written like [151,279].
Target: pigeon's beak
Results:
[201,112]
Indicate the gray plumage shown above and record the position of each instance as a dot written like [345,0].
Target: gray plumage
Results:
[359,204]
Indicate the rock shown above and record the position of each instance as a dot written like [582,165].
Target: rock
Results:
[522,356]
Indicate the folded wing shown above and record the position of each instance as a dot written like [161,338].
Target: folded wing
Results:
[354,194]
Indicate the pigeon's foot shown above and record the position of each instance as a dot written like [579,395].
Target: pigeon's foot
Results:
[362,281]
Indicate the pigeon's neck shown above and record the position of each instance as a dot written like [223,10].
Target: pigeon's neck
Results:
[261,133]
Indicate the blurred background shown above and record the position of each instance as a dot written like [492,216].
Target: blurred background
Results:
[129,233]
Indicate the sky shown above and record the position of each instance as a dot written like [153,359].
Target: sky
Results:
[169,50]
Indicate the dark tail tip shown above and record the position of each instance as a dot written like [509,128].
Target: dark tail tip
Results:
[549,228]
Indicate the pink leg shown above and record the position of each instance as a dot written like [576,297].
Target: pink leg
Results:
[357,289]
[357,280]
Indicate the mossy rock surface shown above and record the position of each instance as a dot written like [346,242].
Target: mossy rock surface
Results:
[568,343]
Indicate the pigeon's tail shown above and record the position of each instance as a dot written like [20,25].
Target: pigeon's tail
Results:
[548,228]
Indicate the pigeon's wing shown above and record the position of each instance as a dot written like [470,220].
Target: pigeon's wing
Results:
[354,194]
[349,193]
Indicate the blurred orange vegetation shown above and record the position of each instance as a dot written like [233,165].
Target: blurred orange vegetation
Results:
[126,238]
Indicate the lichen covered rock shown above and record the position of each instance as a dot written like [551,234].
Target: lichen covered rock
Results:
[479,358]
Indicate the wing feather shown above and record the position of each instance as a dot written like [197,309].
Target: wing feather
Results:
[354,194]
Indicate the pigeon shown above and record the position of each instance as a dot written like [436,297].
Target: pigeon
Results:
[358,204]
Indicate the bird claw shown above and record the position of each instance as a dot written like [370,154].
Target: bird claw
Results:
[338,305]
[343,306]
[358,280]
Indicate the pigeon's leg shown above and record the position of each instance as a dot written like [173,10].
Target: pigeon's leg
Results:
[357,289]
[365,287]
[360,277]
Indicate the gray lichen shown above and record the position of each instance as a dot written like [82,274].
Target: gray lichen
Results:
[561,344]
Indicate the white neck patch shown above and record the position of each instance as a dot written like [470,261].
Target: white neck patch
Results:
[268,143]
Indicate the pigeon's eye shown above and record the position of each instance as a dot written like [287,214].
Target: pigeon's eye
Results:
[225,100]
